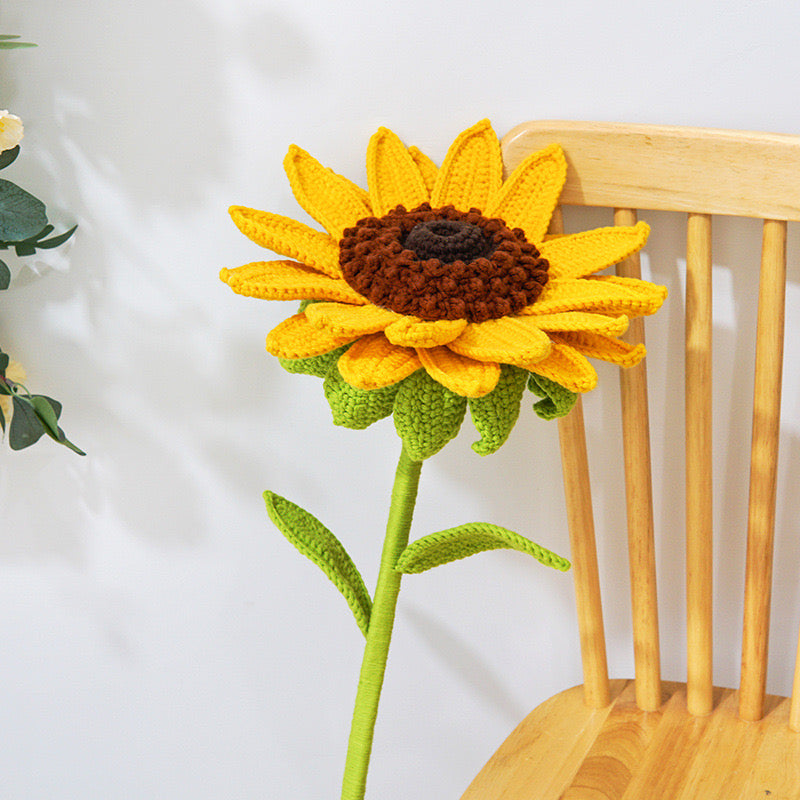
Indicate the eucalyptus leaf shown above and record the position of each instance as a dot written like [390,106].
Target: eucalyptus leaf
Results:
[55,241]
[466,540]
[21,214]
[25,428]
[4,359]
[7,156]
[319,545]
[2,421]
[5,275]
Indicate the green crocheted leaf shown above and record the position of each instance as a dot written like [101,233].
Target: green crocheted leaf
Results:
[466,540]
[557,402]
[495,414]
[316,365]
[356,408]
[426,415]
[319,545]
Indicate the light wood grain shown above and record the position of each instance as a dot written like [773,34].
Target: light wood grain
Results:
[564,751]
[671,168]
[699,491]
[763,469]
[794,716]
[639,502]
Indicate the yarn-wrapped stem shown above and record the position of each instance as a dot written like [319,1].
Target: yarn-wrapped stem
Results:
[379,634]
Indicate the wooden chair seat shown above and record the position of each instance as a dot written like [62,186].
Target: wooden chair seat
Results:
[564,750]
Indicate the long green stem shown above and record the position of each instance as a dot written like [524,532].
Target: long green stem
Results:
[379,635]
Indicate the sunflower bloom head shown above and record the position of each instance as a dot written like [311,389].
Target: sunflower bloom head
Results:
[437,289]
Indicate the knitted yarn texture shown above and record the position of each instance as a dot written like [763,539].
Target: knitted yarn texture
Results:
[439,289]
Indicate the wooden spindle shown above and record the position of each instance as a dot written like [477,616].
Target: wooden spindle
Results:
[699,543]
[583,545]
[794,709]
[639,500]
[763,470]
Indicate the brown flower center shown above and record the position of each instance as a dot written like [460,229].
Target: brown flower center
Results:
[442,264]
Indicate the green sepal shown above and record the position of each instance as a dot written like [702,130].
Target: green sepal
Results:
[495,414]
[8,156]
[319,545]
[466,540]
[356,408]
[426,415]
[557,401]
[5,275]
[21,214]
[315,365]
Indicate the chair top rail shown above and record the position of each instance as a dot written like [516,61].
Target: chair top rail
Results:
[672,168]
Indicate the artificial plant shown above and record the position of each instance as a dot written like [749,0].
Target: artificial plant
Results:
[436,291]
[25,228]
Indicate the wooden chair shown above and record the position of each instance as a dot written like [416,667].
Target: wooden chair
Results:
[647,739]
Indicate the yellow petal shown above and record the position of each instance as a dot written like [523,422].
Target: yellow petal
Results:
[530,194]
[414,332]
[296,337]
[472,171]
[372,363]
[605,294]
[352,320]
[566,366]
[580,322]
[287,280]
[459,374]
[392,175]
[335,202]
[427,169]
[288,237]
[581,254]
[509,340]
[606,348]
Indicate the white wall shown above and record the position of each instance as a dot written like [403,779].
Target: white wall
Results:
[158,638]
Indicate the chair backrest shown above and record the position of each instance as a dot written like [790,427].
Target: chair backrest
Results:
[702,173]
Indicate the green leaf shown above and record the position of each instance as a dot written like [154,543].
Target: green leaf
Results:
[2,421]
[7,156]
[46,244]
[355,408]
[5,275]
[25,428]
[466,540]
[49,411]
[319,545]
[21,214]
[426,415]
[3,364]
[495,414]
[557,402]
[315,365]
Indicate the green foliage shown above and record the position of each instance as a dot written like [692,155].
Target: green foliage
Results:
[8,156]
[33,415]
[557,402]
[466,540]
[495,414]
[356,408]
[319,545]
[7,42]
[21,214]
[315,365]
[426,415]
[5,275]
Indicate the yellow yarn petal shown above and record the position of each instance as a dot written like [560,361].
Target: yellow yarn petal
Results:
[472,171]
[339,318]
[414,332]
[427,168]
[581,254]
[605,294]
[296,337]
[530,194]
[509,340]
[581,321]
[335,202]
[373,362]
[287,280]
[459,374]
[565,365]
[606,348]
[288,237]
[392,175]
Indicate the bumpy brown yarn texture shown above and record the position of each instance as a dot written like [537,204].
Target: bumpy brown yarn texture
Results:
[442,264]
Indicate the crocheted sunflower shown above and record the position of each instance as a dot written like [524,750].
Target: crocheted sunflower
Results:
[440,288]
